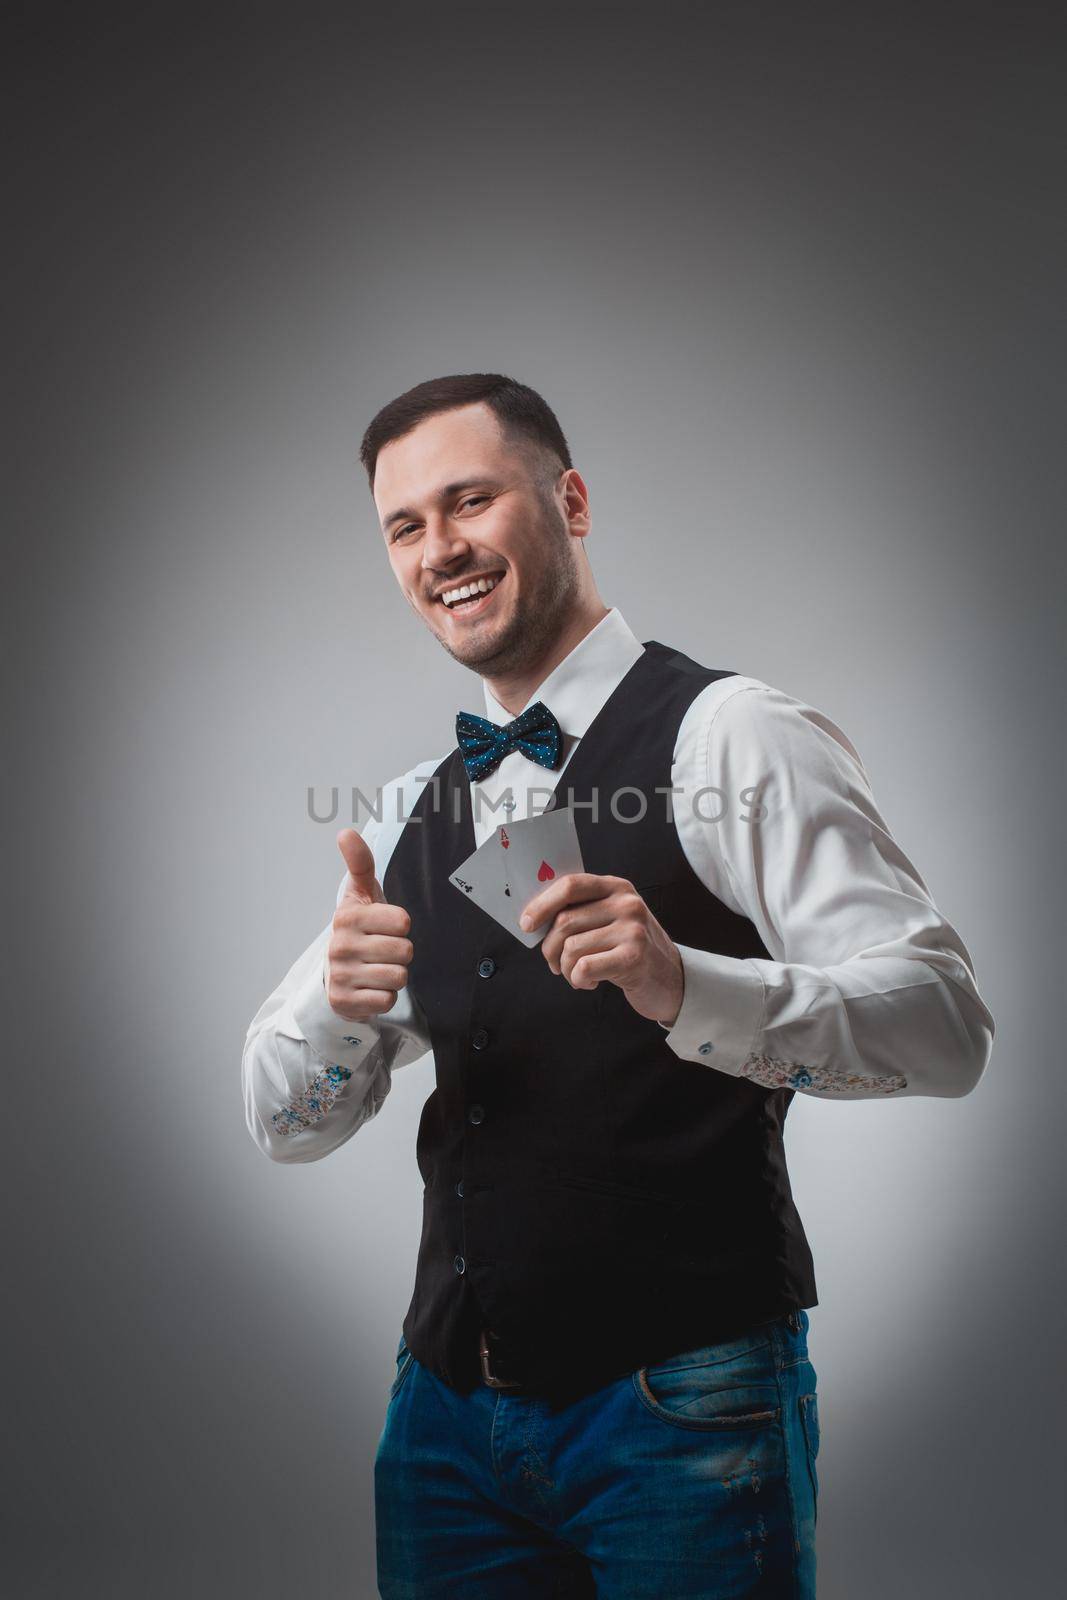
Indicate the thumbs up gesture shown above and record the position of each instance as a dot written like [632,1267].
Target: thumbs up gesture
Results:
[369,952]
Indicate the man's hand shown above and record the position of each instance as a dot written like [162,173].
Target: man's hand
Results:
[601,928]
[368,955]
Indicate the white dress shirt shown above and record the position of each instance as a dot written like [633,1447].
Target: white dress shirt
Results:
[868,992]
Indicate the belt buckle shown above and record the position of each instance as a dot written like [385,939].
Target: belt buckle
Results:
[488,1375]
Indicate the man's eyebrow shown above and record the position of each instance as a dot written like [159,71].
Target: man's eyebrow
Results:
[446,493]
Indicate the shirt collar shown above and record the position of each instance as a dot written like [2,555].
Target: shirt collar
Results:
[578,687]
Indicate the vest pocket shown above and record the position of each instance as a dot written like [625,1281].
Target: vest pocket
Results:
[608,1186]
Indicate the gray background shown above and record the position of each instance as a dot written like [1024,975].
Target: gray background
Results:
[792,279]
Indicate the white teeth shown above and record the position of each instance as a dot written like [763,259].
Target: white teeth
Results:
[466,590]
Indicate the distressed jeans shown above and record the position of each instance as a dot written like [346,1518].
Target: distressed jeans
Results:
[694,1477]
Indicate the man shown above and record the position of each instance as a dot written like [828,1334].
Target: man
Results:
[604,1384]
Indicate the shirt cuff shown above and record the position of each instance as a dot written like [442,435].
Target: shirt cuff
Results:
[721,1010]
[334,1038]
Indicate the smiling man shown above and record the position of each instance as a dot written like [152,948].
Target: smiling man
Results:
[513,526]
[603,1385]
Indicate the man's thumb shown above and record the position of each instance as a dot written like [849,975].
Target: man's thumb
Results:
[360,864]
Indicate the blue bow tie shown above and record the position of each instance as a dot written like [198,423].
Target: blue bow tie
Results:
[483,744]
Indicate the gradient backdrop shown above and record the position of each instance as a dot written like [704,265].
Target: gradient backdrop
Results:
[792,279]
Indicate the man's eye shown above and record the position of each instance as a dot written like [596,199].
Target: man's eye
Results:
[471,500]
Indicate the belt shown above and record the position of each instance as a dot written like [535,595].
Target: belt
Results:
[492,1360]
[498,1370]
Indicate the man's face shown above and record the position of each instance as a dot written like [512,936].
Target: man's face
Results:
[459,501]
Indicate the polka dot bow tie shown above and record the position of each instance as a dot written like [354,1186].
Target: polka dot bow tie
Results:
[483,744]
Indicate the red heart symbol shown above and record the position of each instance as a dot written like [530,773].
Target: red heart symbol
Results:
[544,872]
[504,840]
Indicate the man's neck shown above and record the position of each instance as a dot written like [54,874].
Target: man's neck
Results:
[513,690]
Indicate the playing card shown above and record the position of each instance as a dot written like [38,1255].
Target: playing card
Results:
[517,861]
[538,851]
[482,879]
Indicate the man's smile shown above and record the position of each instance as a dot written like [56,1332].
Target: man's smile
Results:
[478,597]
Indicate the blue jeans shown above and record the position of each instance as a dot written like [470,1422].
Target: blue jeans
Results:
[691,1478]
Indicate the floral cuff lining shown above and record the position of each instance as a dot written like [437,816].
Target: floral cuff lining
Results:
[774,1074]
[314,1103]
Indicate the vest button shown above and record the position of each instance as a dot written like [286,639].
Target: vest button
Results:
[459,1188]
[476,1114]
[460,1265]
[486,967]
[480,1039]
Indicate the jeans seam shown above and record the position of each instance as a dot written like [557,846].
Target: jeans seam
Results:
[500,1477]
[809,1450]
[794,1521]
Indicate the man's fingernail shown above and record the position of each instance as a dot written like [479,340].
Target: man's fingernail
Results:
[524,921]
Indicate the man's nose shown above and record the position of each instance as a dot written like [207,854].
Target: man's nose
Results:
[442,544]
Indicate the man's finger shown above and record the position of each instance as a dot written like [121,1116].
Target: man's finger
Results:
[571,889]
[360,864]
[597,966]
[564,951]
[592,916]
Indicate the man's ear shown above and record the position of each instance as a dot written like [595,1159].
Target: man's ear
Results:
[576,502]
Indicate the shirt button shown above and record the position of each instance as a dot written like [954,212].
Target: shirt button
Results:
[476,1114]
[480,1039]
[460,1265]
[459,1188]
[486,967]
[706,1048]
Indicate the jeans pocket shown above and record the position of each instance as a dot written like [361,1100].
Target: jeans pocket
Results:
[809,1415]
[725,1386]
[404,1358]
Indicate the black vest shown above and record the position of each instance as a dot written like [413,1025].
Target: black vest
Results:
[596,1201]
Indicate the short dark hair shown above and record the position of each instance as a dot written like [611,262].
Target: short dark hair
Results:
[520,410]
